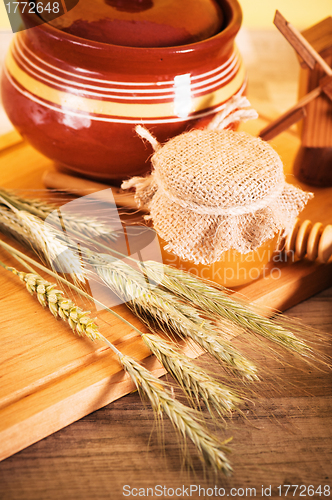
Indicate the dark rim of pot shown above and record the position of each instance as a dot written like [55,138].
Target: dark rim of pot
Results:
[231,9]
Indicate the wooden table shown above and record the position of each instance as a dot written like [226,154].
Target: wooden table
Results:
[285,438]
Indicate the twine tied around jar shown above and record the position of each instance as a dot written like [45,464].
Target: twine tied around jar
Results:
[213,190]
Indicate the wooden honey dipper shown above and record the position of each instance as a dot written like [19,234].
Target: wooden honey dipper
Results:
[311,240]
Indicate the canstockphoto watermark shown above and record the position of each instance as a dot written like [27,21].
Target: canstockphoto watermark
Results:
[163,491]
[23,15]
[283,490]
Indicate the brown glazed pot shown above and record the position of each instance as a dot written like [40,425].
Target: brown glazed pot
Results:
[77,100]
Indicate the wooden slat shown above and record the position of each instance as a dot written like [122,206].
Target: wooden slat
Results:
[301,44]
[317,125]
[292,37]
[320,38]
[326,86]
[283,123]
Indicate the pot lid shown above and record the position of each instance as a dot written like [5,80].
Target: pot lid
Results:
[142,23]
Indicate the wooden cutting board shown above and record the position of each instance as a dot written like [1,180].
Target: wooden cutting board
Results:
[50,378]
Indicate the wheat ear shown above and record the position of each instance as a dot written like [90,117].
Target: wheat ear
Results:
[46,240]
[10,223]
[60,306]
[222,305]
[168,312]
[87,226]
[183,418]
[193,380]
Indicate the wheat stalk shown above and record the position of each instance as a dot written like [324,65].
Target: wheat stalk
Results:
[72,223]
[26,259]
[183,418]
[34,205]
[193,379]
[11,224]
[185,305]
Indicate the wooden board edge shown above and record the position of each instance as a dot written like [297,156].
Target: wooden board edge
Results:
[63,413]
[299,281]
[52,418]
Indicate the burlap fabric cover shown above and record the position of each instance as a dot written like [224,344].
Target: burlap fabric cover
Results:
[213,190]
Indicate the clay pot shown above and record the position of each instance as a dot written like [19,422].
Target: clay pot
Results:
[77,100]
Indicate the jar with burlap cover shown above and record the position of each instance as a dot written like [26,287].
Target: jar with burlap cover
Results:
[215,190]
